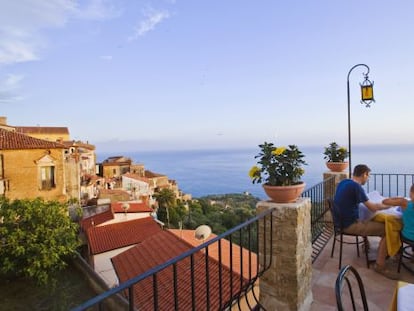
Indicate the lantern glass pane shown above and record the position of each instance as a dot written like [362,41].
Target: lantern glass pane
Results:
[367,92]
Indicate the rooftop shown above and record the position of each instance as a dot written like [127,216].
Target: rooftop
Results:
[42,130]
[11,141]
[134,207]
[158,249]
[109,237]
[213,251]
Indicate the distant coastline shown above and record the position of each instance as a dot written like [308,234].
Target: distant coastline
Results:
[222,171]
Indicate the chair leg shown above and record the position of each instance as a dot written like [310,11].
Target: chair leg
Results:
[340,250]
[401,253]
[366,250]
[333,245]
[357,244]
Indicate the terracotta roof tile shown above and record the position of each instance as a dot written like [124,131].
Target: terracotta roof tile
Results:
[12,141]
[96,220]
[150,174]
[158,249]
[42,130]
[134,207]
[213,251]
[136,177]
[105,238]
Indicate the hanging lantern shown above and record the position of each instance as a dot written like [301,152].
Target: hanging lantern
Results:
[367,92]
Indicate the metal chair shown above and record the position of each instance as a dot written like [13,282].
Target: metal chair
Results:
[403,252]
[339,236]
[345,274]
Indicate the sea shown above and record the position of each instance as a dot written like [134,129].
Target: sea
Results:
[222,171]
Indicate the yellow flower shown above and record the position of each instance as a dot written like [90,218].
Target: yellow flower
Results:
[342,149]
[254,172]
[278,151]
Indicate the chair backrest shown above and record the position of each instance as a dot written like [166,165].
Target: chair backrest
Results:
[335,217]
[347,275]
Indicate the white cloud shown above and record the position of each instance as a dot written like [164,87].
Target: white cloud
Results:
[8,88]
[152,19]
[98,10]
[17,46]
[106,57]
[22,22]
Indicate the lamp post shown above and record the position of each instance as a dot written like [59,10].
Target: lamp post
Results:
[367,97]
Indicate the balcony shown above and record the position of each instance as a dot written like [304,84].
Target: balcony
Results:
[270,252]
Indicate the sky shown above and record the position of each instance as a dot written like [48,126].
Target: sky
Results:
[190,74]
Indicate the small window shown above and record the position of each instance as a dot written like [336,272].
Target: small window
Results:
[47,177]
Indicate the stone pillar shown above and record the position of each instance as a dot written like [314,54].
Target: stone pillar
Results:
[286,285]
[339,176]
[329,191]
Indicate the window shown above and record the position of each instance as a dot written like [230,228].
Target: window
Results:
[46,170]
[47,176]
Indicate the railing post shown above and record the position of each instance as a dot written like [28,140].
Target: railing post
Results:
[286,285]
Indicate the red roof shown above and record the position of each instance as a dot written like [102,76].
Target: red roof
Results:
[134,207]
[150,174]
[109,237]
[42,130]
[213,251]
[96,219]
[13,141]
[158,249]
[136,177]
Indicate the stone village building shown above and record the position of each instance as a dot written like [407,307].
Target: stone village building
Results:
[43,162]
[31,167]
[38,161]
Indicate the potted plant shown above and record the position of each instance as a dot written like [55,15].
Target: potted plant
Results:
[335,156]
[280,170]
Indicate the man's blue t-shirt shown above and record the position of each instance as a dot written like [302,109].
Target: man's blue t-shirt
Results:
[347,198]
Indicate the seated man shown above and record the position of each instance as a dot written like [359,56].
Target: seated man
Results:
[349,194]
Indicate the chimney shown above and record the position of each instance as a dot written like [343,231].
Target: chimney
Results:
[3,120]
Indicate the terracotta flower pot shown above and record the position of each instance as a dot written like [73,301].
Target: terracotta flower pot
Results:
[284,194]
[337,166]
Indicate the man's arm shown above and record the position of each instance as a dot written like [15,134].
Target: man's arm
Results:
[396,201]
[373,207]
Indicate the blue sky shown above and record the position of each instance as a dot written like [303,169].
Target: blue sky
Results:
[172,74]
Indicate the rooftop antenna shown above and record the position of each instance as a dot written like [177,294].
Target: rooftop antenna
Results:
[202,232]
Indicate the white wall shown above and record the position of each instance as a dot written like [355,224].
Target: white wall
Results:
[103,265]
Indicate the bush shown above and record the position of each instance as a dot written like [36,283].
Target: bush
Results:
[35,238]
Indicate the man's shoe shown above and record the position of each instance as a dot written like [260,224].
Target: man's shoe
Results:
[385,272]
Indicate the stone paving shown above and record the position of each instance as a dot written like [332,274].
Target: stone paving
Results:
[379,289]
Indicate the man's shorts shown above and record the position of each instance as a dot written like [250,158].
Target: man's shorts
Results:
[366,228]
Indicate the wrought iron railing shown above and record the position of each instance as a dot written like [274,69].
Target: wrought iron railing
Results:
[242,269]
[321,224]
[390,185]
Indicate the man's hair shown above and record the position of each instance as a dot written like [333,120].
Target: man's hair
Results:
[360,170]
[412,188]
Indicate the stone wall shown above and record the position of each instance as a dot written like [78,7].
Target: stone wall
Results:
[286,285]
[22,173]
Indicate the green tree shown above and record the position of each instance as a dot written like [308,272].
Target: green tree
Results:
[177,215]
[166,200]
[36,237]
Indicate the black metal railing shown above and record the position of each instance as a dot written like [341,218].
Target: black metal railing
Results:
[390,185]
[321,224]
[232,283]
